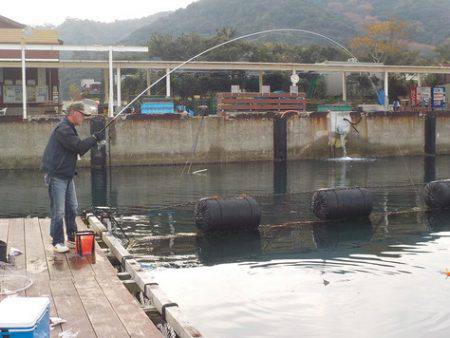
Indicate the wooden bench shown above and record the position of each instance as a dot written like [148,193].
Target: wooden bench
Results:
[258,102]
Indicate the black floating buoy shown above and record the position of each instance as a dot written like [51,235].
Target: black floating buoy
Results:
[437,194]
[342,203]
[230,214]
[3,252]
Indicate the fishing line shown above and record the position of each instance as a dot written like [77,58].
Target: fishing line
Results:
[335,43]
[263,32]
[194,147]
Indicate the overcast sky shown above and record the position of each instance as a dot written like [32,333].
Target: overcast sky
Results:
[55,12]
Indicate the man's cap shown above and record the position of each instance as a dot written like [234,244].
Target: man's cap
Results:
[79,106]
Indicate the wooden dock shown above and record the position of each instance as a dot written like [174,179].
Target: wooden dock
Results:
[90,297]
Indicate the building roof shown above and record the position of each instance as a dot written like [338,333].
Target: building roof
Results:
[8,23]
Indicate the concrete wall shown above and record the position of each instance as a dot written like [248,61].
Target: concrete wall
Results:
[308,137]
[388,136]
[169,140]
[22,144]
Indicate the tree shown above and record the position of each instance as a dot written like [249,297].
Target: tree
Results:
[382,43]
[443,53]
[74,92]
[167,47]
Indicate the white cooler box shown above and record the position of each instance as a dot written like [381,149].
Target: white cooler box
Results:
[25,317]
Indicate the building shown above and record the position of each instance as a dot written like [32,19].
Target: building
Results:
[42,85]
[334,81]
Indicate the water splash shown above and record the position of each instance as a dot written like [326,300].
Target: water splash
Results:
[351,159]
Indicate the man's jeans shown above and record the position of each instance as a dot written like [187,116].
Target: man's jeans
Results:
[63,207]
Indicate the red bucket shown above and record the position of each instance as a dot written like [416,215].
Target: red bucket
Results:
[85,243]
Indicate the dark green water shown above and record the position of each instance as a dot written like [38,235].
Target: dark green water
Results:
[374,279]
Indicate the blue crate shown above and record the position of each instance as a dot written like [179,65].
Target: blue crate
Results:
[25,317]
[158,107]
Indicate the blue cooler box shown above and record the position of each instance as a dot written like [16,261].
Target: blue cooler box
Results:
[25,317]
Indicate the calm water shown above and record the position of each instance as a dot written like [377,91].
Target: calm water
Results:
[379,278]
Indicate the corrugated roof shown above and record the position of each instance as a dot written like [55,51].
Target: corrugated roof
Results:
[5,22]
[46,36]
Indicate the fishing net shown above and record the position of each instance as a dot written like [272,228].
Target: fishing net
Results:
[13,281]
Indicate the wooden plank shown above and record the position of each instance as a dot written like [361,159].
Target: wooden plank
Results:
[4,230]
[256,107]
[238,101]
[16,239]
[115,245]
[95,224]
[56,263]
[254,94]
[124,304]
[35,253]
[142,278]
[36,264]
[70,308]
[104,320]
[174,316]
[128,309]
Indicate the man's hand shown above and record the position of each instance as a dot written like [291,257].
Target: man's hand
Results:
[99,136]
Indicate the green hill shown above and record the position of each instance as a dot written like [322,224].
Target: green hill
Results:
[207,16]
[338,19]
[78,32]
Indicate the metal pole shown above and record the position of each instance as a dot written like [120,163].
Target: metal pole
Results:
[168,82]
[419,80]
[261,80]
[119,89]
[105,85]
[24,85]
[111,85]
[344,87]
[386,90]
[149,81]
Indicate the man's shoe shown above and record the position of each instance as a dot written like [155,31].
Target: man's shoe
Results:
[60,248]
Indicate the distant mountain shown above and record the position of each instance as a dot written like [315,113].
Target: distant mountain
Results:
[207,16]
[339,19]
[428,19]
[79,32]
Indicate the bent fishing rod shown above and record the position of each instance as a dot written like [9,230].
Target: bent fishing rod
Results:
[335,43]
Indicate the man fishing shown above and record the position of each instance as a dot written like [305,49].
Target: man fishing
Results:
[59,164]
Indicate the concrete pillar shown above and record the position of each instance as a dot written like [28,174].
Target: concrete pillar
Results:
[98,154]
[419,80]
[149,81]
[119,89]
[168,94]
[105,85]
[111,85]
[344,87]
[24,85]
[261,80]
[386,90]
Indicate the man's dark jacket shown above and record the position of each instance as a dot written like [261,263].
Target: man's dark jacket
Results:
[62,150]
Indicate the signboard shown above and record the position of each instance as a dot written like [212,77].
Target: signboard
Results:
[439,97]
[13,94]
[423,96]
[41,94]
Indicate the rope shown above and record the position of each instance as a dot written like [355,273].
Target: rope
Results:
[194,147]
